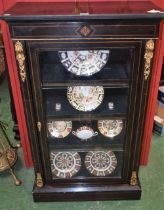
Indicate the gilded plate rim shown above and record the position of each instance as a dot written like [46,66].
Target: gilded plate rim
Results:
[78,105]
[63,134]
[92,170]
[68,173]
[91,73]
[108,134]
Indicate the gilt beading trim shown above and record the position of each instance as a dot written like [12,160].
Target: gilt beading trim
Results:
[21,60]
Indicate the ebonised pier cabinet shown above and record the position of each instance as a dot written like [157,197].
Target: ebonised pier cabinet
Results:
[85,82]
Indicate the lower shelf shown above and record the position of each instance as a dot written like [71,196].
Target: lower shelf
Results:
[79,192]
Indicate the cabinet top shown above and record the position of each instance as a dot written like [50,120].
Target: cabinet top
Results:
[73,10]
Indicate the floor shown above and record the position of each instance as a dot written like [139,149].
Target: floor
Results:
[20,198]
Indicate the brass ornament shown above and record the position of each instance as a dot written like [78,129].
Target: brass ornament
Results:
[21,59]
[8,154]
[148,57]
[11,157]
[39,181]
[133,180]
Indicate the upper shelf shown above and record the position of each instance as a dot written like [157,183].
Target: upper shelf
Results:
[117,68]
[51,10]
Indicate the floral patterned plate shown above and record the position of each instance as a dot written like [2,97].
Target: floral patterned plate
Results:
[100,163]
[59,129]
[85,98]
[65,164]
[84,62]
[110,128]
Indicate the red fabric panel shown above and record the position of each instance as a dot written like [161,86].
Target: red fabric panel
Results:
[1,7]
[157,67]
[9,49]
[98,7]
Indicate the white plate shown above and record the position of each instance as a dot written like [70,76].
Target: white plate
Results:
[85,98]
[100,163]
[110,128]
[85,133]
[65,164]
[84,62]
[59,129]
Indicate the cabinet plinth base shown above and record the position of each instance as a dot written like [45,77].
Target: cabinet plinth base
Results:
[78,192]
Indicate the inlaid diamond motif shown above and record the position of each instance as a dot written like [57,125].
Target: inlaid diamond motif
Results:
[85,30]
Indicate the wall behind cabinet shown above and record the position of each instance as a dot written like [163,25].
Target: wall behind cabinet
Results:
[9,3]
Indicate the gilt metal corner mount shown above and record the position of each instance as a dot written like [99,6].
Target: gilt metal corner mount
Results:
[149,53]
[21,59]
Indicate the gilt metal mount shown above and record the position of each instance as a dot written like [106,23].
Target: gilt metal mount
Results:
[21,60]
[149,52]
[133,180]
[39,181]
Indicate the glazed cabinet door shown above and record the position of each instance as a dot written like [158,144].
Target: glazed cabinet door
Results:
[89,100]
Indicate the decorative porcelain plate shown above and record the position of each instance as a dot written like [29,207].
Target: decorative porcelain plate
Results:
[100,163]
[84,62]
[59,129]
[85,98]
[110,128]
[65,164]
[85,133]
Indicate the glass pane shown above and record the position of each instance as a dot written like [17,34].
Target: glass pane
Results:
[86,65]
[86,134]
[85,95]
[94,163]
[114,101]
